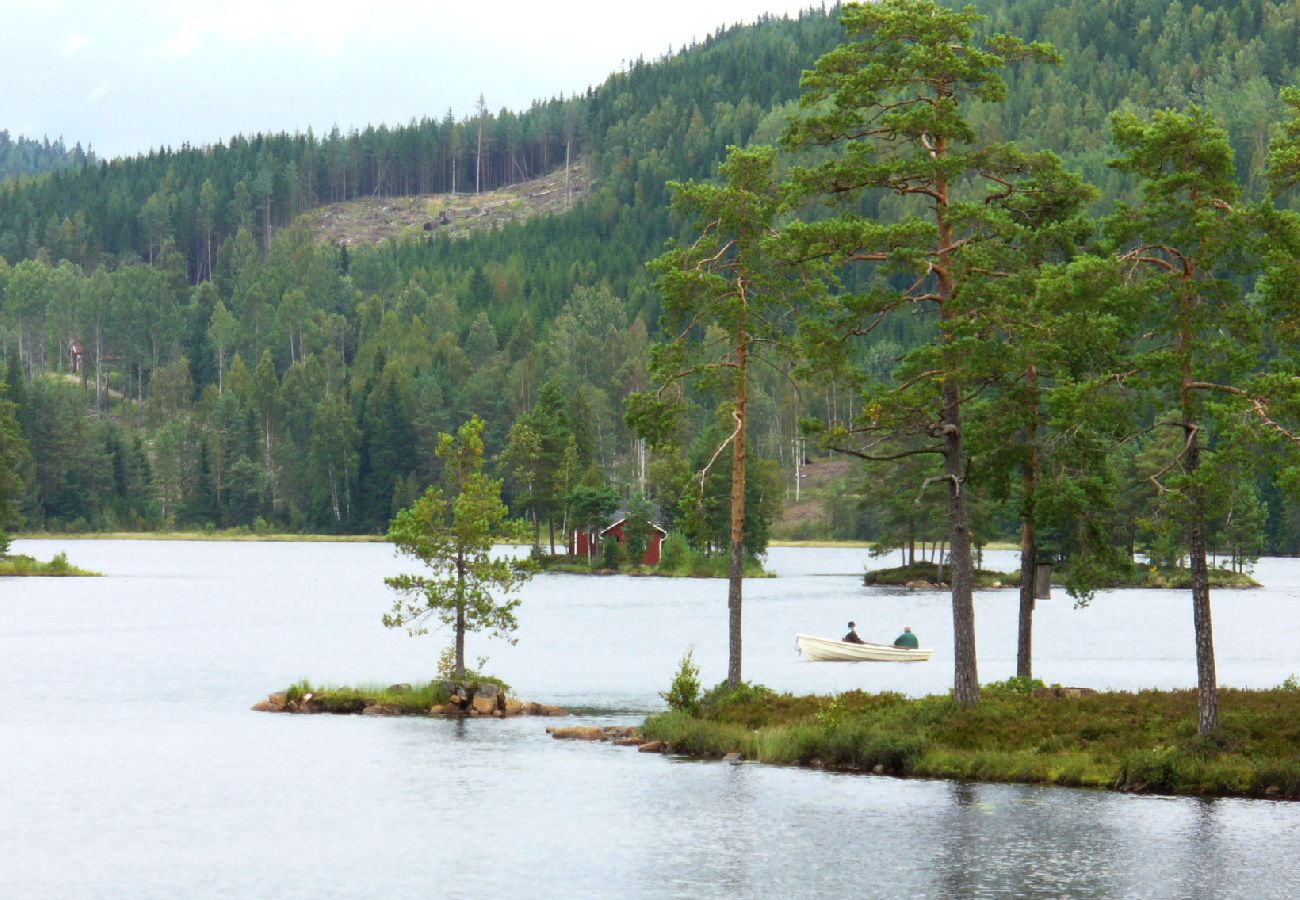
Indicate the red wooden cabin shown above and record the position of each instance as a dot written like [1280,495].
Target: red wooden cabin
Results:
[587,543]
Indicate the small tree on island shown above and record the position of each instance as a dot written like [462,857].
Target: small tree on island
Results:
[454,541]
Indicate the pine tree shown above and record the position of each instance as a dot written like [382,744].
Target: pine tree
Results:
[453,540]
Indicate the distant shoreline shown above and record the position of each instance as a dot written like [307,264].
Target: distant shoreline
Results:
[216,536]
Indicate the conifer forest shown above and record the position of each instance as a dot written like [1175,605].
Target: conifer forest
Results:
[1094,341]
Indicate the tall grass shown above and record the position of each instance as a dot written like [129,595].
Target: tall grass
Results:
[419,699]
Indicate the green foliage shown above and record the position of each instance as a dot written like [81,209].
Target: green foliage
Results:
[611,554]
[453,540]
[726,699]
[638,529]
[25,566]
[675,555]
[1142,742]
[684,693]
[1017,684]
[473,326]
[418,699]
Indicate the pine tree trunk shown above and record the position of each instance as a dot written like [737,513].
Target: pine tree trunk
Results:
[460,615]
[1025,643]
[1028,542]
[1206,681]
[965,675]
[966,687]
[735,579]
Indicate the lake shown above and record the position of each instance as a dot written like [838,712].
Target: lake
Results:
[130,764]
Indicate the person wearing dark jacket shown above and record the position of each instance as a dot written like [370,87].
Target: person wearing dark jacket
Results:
[852,636]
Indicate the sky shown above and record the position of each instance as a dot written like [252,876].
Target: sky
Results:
[126,76]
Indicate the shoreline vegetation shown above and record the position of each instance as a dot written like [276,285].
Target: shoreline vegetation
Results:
[692,566]
[473,696]
[927,576]
[20,566]
[931,575]
[234,534]
[1019,732]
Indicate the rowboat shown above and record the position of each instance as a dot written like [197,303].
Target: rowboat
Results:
[817,649]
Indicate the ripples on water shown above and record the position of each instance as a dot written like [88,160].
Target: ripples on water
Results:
[130,766]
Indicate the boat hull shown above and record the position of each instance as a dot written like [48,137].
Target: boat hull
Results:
[815,649]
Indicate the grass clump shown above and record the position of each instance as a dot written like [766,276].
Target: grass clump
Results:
[1144,742]
[412,699]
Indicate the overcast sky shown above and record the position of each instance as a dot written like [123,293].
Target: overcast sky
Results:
[126,75]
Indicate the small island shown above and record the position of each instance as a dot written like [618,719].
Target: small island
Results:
[481,696]
[21,566]
[930,576]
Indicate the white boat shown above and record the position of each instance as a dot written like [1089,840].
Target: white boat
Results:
[817,649]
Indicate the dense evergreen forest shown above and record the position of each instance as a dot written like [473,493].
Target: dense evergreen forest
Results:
[28,156]
[183,353]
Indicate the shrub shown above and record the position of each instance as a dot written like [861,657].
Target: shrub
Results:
[831,716]
[1155,769]
[610,555]
[744,703]
[675,554]
[1017,684]
[684,694]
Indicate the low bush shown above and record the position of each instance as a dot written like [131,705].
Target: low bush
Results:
[684,693]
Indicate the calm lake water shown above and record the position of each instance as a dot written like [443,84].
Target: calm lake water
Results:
[130,765]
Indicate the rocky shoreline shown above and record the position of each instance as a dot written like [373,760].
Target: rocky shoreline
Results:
[621,736]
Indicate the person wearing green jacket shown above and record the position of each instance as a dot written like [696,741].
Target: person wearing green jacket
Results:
[907,639]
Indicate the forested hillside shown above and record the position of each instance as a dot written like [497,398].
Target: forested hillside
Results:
[184,352]
[28,156]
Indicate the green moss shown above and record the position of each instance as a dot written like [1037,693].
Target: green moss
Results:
[1143,741]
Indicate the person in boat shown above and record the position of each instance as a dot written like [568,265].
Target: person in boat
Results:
[907,639]
[852,636]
